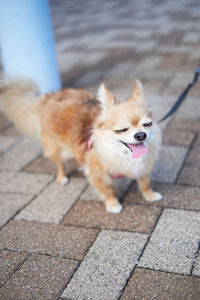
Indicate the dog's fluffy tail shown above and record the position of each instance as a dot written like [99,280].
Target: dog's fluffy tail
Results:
[18,102]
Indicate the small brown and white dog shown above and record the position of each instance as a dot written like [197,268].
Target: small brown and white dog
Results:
[106,137]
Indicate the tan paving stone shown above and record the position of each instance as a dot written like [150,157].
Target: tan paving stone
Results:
[7,142]
[150,284]
[10,131]
[176,90]
[189,109]
[40,277]
[152,85]
[32,184]
[169,163]
[106,267]
[52,204]
[11,204]
[46,166]
[3,122]
[190,175]
[41,165]
[185,125]
[194,154]
[177,137]
[196,270]
[9,262]
[174,196]
[25,151]
[174,242]
[173,61]
[47,238]
[93,214]
[121,185]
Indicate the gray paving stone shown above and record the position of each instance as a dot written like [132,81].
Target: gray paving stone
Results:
[190,108]
[159,104]
[68,61]
[175,49]
[25,183]
[181,79]
[195,53]
[10,204]
[190,175]
[174,196]
[169,163]
[191,37]
[7,142]
[20,155]
[177,137]
[52,204]
[196,270]
[106,267]
[149,64]
[174,242]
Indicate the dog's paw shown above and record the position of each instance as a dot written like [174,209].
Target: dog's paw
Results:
[114,209]
[153,196]
[63,181]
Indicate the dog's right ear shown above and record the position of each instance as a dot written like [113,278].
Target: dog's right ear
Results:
[106,97]
[138,92]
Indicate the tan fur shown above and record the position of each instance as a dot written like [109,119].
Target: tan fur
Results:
[66,120]
[17,101]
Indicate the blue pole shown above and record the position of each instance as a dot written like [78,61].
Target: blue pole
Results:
[27,44]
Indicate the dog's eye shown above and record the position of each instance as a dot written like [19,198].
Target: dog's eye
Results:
[121,130]
[147,124]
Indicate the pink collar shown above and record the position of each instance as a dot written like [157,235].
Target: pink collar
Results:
[90,144]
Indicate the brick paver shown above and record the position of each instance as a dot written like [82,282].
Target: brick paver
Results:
[11,204]
[47,239]
[52,204]
[30,150]
[93,214]
[190,175]
[174,196]
[59,242]
[6,143]
[9,262]
[105,268]
[40,277]
[150,284]
[169,163]
[174,242]
[13,182]
[196,270]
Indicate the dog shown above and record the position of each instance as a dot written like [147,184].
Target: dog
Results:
[106,137]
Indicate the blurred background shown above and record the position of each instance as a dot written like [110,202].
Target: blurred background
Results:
[117,41]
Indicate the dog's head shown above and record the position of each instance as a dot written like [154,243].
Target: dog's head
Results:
[126,125]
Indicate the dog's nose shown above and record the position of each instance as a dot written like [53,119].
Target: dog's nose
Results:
[140,136]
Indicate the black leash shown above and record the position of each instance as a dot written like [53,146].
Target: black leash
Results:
[182,96]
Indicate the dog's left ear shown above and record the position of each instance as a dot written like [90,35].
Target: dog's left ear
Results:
[105,97]
[138,92]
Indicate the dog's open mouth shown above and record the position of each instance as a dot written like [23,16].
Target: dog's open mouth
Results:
[137,150]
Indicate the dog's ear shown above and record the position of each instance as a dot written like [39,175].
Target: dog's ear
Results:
[105,97]
[138,92]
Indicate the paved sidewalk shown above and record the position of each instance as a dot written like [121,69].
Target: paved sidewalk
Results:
[59,242]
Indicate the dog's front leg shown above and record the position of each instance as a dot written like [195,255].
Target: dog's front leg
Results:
[147,192]
[103,184]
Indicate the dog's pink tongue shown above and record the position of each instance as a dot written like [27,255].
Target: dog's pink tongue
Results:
[138,150]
